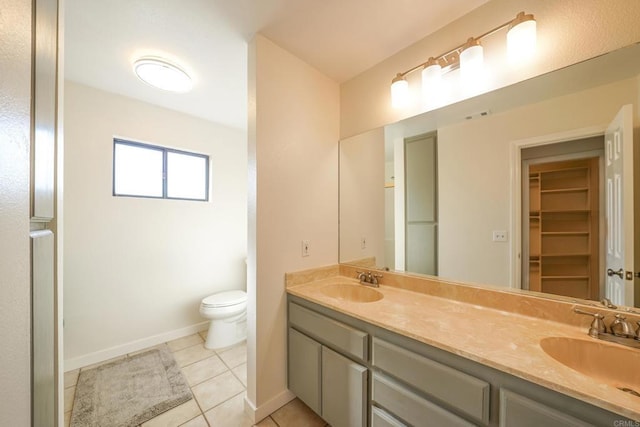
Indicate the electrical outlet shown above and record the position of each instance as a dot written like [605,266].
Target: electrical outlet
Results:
[499,236]
[363,243]
[306,248]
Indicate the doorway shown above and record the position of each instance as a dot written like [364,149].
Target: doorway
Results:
[562,217]
[575,145]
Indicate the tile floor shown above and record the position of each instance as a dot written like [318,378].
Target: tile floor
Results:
[218,381]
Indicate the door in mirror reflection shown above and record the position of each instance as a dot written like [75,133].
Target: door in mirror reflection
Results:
[620,273]
[421,219]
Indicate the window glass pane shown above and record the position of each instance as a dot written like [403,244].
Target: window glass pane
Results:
[186,176]
[137,171]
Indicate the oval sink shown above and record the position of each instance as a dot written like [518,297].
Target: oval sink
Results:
[352,293]
[608,363]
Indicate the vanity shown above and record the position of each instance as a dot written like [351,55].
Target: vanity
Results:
[422,351]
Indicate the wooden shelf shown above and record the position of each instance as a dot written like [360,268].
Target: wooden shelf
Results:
[563,250]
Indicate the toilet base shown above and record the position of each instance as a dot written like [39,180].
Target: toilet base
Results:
[225,333]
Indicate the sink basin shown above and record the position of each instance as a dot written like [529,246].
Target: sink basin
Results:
[352,293]
[608,363]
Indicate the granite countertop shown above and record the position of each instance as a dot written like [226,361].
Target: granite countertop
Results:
[502,340]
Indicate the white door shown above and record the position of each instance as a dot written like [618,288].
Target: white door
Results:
[619,208]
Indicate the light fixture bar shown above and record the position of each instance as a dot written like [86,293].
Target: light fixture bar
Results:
[451,58]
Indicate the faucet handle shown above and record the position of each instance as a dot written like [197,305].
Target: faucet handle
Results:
[597,326]
[361,276]
[621,327]
[375,277]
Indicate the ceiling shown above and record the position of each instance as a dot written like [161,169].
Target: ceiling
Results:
[208,38]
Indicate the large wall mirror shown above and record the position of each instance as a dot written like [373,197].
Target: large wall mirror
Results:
[511,188]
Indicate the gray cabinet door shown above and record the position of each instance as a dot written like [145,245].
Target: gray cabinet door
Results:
[344,390]
[304,369]
[517,410]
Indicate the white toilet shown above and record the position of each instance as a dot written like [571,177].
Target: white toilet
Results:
[228,314]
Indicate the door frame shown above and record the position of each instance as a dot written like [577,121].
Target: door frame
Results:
[515,169]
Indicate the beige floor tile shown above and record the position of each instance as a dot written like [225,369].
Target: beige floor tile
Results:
[198,421]
[203,334]
[234,356]
[192,354]
[216,390]
[71,378]
[229,414]
[203,370]
[267,422]
[184,342]
[297,414]
[69,395]
[176,416]
[241,373]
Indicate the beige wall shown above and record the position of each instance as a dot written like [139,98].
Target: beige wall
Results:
[568,31]
[136,269]
[362,212]
[15,304]
[293,169]
[474,175]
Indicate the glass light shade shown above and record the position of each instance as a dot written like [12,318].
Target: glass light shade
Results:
[431,81]
[162,75]
[471,61]
[399,93]
[521,40]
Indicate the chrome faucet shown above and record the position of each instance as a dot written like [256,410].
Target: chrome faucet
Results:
[368,278]
[619,331]
[620,327]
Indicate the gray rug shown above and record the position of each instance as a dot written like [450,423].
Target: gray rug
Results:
[130,391]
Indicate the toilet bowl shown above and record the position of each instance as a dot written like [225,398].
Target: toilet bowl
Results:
[228,314]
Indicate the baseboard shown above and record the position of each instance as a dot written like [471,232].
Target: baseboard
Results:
[130,347]
[257,414]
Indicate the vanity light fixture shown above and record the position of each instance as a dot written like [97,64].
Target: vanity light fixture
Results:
[399,92]
[521,44]
[162,74]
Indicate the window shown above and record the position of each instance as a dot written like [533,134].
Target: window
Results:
[143,170]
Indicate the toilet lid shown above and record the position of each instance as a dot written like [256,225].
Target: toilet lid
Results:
[225,299]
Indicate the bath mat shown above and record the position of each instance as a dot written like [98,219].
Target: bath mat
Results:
[129,391]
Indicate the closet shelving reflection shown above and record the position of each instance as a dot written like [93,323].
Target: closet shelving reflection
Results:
[563,228]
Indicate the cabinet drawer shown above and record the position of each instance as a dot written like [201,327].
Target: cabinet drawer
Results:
[336,334]
[409,406]
[380,418]
[524,412]
[463,392]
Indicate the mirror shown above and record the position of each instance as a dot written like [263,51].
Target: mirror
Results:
[470,223]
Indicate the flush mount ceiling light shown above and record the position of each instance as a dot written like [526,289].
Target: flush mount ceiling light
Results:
[521,44]
[162,74]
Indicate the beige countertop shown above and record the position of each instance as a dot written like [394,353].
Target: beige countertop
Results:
[502,340]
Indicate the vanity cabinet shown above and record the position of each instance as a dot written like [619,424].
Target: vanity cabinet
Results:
[353,373]
[332,384]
